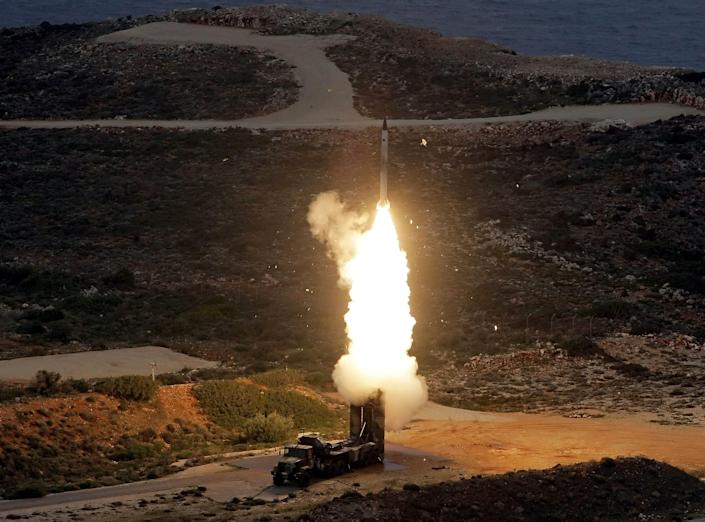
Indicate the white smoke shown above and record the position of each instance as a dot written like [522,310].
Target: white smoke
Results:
[337,227]
[379,323]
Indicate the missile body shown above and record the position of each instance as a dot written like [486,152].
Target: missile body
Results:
[384,156]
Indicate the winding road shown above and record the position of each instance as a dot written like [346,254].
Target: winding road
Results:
[326,96]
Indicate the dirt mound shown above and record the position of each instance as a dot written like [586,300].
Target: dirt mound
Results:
[609,490]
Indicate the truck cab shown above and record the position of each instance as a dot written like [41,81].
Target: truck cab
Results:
[294,466]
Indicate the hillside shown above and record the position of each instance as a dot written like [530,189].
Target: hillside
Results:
[200,238]
[68,441]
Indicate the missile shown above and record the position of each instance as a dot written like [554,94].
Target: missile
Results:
[384,159]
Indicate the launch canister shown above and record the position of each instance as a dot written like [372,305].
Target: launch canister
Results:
[384,157]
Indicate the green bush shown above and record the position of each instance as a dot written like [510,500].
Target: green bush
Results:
[60,331]
[30,328]
[129,387]
[172,378]
[76,386]
[279,378]
[208,374]
[32,489]
[611,309]
[581,347]
[147,435]
[230,404]
[9,392]
[267,428]
[46,382]
[132,450]
[322,380]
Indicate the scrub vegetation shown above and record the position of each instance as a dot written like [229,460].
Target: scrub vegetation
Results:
[60,71]
[233,404]
[131,428]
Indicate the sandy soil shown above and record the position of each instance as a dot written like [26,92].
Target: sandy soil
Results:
[105,363]
[499,442]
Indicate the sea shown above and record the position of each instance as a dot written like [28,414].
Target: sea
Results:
[647,32]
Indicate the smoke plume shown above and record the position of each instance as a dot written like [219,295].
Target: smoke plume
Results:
[379,323]
[337,227]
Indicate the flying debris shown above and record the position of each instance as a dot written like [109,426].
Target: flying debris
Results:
[384,159]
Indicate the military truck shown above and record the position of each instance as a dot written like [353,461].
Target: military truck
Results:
[314,456]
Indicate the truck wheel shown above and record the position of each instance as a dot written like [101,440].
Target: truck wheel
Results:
[278,479]
[304,480]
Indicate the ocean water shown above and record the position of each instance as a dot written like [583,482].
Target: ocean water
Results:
[649,32]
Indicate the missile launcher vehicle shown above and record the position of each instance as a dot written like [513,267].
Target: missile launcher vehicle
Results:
[312,456]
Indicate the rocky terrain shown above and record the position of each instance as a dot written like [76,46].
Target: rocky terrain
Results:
[61,72]
[656,376]
[516,234]
[406,72]
[623,489]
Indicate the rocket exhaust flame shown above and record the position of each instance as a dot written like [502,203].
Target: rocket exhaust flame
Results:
[379,324]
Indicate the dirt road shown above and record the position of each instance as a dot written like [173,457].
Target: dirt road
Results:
[326,95]
[104,363]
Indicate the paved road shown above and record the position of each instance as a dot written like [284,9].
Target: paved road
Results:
[242,477]
[631,113]
[222,480]
[326,95]
[105,363]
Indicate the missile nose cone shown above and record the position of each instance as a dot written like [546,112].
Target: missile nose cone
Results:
[384,124]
